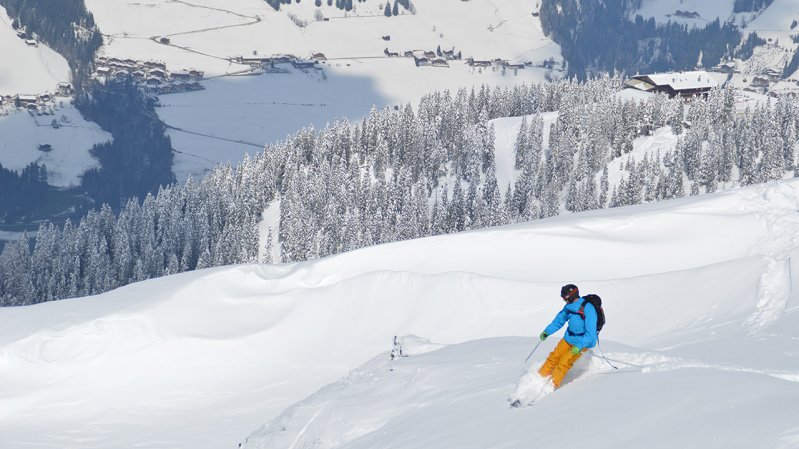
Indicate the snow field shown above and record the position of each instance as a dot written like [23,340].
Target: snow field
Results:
[500,29]
[201,359]
[783,227]
[775,22]
[776,18]
[455,397]
[21,133]
[664,11]
[28,70]
[506,131]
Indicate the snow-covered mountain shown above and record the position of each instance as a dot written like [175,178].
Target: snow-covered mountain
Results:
[702,323]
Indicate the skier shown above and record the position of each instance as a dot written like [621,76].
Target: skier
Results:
[581,334]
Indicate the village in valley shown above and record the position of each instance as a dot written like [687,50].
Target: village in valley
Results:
[152,77]
[155,78]
[35,102]
[421,58]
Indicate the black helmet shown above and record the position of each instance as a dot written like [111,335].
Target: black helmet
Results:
[569,292]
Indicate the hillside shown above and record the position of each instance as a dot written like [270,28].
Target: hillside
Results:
[454,398]
[35,70]
[21,133]
[361,62]
[28,69]
[697,290]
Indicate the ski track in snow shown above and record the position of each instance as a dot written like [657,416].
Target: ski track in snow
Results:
[593,364]
[305,428]
[782,225]
[531,388]
[371,402]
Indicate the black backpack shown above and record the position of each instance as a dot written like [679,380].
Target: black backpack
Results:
[595,301]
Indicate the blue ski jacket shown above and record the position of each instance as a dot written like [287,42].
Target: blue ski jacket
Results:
[580,333]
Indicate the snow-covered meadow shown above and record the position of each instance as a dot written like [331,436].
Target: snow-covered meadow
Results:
[694,13]
[22,132]
[27,69]
[208,33]
[702,321]
[775,18]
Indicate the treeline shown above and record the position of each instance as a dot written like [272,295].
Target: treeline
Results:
[139,158]
[598,37]
[406,173]
[792,66]
[345,5]
[276,3]
[22,192]
[720,150]
[66,26]
[389,11]
[399,175]
[751,5]
[747,47]
[180,229]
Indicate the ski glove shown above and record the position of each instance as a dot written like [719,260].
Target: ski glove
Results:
[575,350]
[543,336]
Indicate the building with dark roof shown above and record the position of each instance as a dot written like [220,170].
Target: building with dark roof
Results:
[685,84]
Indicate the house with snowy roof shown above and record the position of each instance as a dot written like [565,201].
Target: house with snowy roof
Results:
[684,84]
[26,100]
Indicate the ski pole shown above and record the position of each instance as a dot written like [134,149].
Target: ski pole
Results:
[617,361]
[603,354]
[531,352]
[608,360]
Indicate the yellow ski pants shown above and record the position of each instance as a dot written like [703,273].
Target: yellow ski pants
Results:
[559,362]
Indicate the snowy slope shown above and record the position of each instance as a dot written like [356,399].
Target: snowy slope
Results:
[27,70]
[775,21]
[776,18]
[454,398]
[506,130]
[698,290]
[664,11]
[21,133]
[209,33]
